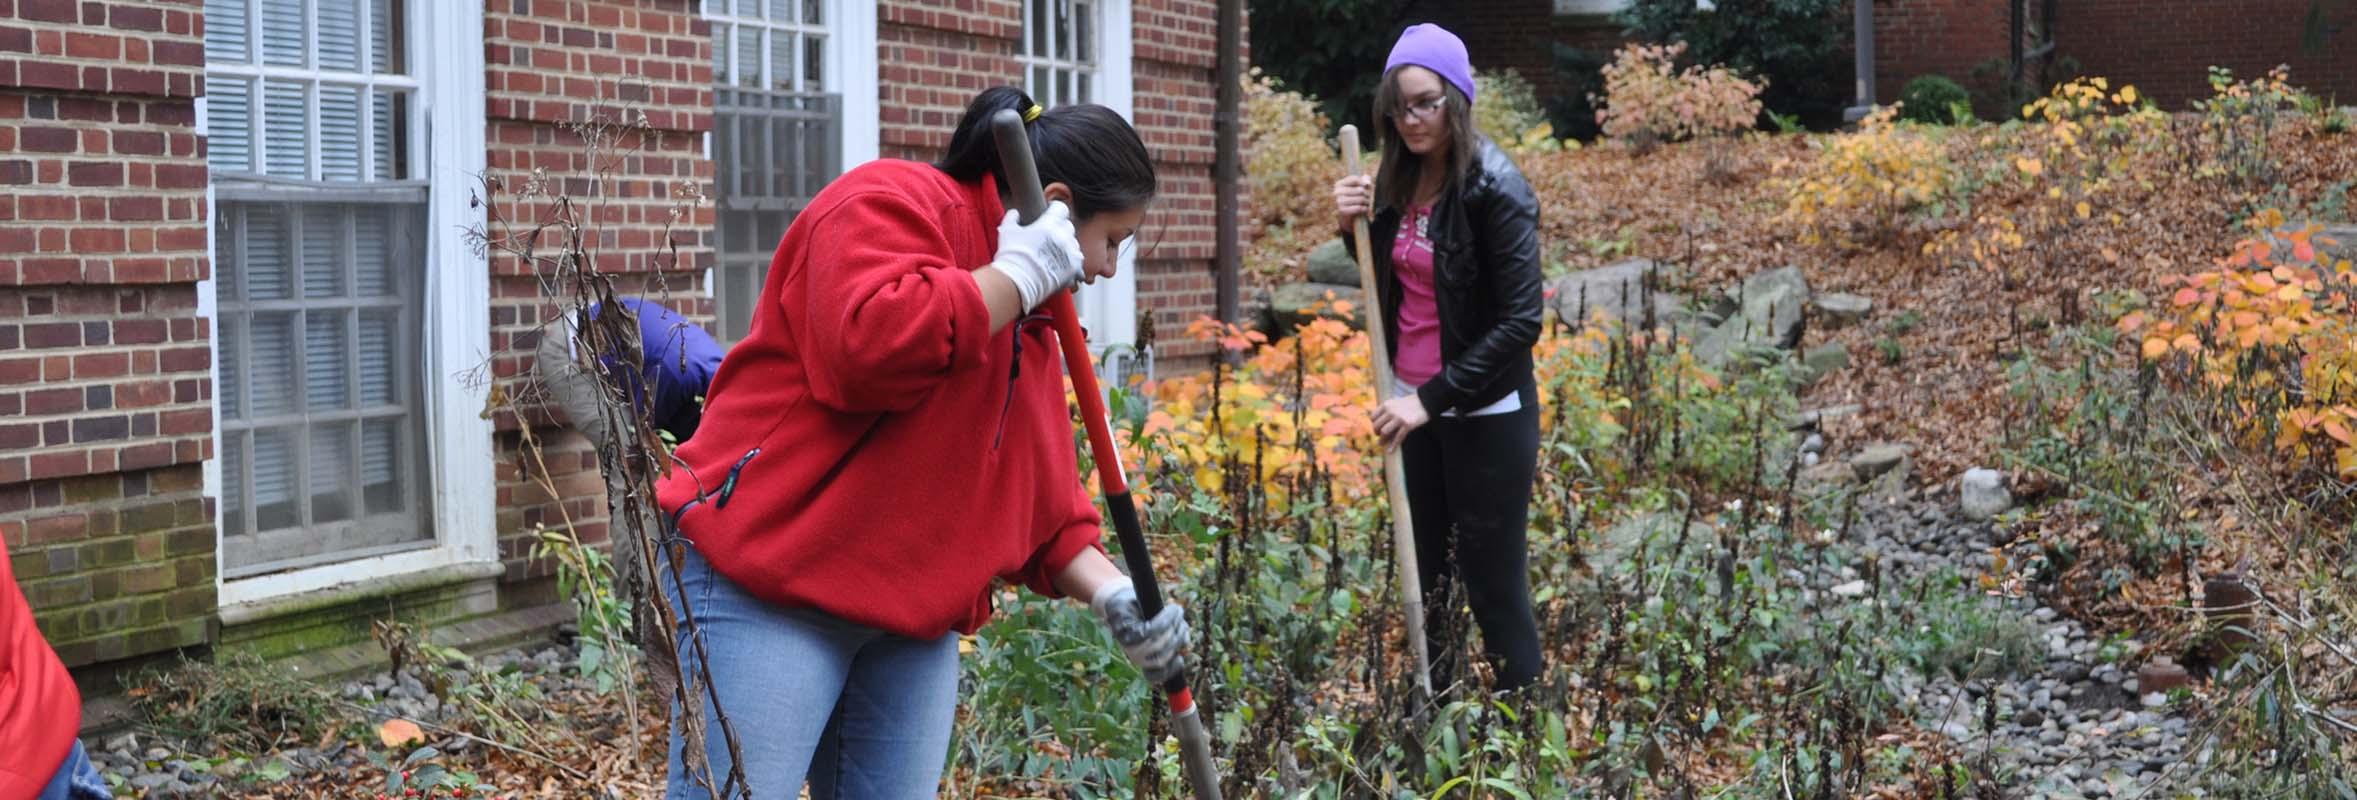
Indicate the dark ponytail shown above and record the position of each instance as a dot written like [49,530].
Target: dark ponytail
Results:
[1086,147]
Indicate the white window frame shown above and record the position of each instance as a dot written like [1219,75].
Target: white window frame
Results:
[852,69]
[1108,308]
[447,117]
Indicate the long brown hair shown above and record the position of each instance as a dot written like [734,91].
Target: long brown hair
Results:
[1397,176]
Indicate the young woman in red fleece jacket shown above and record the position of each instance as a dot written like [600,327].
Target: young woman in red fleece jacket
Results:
[889,440]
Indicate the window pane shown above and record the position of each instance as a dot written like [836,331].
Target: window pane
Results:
[1062,33]
[271,376]
[786,147]
[1039,85]
[748,56]
[1083,96]
[229,115]
[781,10]
[817,167]
[781,59]
[288,122]
[339,133]
[812,12]
[736,297]
[1063,93]
[323,250]
[267,272]
[389,113]
[378,341]
[814,64]
[227,31]
[231,392]
[720,62]
[381,456]
[384,37]
[327,349]
[330,466]
[339,34]
[233,483]
[274,480]
[748,8]
[1084,32]
[1039,27]
[282,33]
[372,251]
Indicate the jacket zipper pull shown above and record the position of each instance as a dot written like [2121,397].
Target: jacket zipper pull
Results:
[729,487]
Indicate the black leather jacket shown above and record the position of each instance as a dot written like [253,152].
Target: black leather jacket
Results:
[1486,281]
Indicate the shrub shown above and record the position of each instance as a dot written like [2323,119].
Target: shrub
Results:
[1647,99]
[1799,47]
[1289,170]
[1861,184]
[1935,100]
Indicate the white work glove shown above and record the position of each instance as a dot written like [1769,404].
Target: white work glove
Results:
[1041,258]
[1152,644]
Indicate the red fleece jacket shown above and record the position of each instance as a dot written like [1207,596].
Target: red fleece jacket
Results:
[39,709]
[872,449]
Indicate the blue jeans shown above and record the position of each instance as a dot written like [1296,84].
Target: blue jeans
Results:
[77,779]
[859,712]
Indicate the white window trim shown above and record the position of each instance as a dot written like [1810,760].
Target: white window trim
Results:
[457,320]
[1109,308]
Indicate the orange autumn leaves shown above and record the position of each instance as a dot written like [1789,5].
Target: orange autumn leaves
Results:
[1287,407]
[2279,322]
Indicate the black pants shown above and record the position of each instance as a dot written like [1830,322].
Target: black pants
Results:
[1469,484]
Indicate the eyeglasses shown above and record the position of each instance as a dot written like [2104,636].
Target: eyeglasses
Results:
[1420,110]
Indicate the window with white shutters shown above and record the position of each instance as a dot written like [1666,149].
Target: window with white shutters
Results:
[777,138]
[319,255]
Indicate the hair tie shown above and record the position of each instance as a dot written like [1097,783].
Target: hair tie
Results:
[1031,114]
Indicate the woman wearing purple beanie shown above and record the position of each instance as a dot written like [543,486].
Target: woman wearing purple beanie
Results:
[1457,272]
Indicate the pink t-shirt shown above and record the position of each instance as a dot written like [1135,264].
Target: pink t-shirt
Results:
[1419,314]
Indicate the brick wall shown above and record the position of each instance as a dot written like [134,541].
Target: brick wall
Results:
[2166,47]
[934,59]
[105,386]
[1943,37]
[551,64]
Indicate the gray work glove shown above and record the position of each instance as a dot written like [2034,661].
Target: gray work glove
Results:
[1152,644]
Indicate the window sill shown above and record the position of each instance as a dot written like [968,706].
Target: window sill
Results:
[432,577]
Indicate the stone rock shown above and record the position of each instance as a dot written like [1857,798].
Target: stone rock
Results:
[150,781]
[1823,360]
[1334,263]
[1851,589]
[1825,476]
[1619,292]
[2344,243]
[1878,460]
[158,754]
[1984,494]
[1768,314]
[1289,305]
[2162,675]
[123,745]
[1840,310]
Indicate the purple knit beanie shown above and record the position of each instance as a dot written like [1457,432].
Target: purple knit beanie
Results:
[1434,48]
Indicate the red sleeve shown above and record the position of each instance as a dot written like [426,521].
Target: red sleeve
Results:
[888,313]
[1081,530]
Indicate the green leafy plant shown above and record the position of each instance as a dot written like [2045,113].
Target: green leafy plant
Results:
[1933,99]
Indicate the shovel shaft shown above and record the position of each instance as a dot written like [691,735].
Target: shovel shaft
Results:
[1403,524]
[1014,148]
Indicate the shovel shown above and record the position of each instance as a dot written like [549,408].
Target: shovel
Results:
[1403,524]
[1014,155]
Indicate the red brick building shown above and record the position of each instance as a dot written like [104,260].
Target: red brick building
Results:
[246,344]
